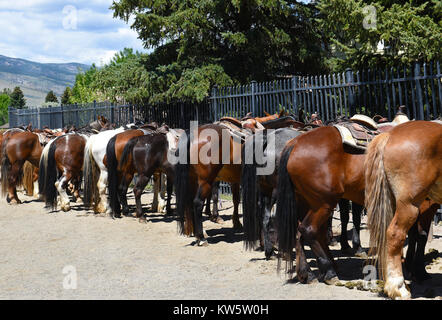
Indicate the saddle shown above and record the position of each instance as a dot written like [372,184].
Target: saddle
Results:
[235,127]
[358,131]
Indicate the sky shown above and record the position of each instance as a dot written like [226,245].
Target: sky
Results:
[59,31]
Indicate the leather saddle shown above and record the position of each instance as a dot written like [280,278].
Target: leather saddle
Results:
[358,131]
[236,127]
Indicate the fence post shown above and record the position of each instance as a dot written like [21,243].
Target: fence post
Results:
[417,70]
[11,124]
[253,97]
[95,110]
[77,119]
[213,98]
[295,95]
[112,115]
[351,99]
[131,113]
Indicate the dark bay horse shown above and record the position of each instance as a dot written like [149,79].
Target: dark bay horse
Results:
[149,154]
[403,169]
[119,177]
[61,163]
[18,148]
[259,191]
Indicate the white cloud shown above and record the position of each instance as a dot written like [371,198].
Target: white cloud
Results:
[34,30]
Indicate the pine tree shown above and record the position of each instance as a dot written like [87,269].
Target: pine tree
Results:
[51,97]
[66,96]
[18,100]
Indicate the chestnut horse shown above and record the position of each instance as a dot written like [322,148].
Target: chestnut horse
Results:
[18,148]
[316,171]
[61,163]
[403,168]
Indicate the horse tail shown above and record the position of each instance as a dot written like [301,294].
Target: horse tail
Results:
[90,176]
[184,199]
[113,183]
[28,178]
[286,210]
[379,200]
[6,167]
[48,175]
[252,213]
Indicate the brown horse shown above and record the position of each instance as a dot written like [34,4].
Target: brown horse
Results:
[403,168]
[316,171]
[149,155]
[119,176]
[20,147]
[60,164]
[213,154]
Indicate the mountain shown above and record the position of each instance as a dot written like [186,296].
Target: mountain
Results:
[37,79]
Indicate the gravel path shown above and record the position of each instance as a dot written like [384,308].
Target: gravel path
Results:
[41,253]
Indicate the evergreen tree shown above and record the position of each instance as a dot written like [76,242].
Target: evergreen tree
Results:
[66,96]
[18,100]
[197,44]
[51,97]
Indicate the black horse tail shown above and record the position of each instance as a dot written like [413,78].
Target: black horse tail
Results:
[47,175]
[286,211]
[6,167]
[253,208]
[184,194]
[112,180]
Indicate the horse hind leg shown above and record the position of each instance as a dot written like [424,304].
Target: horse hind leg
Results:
[142,181]
[122,188]
[236,199]
[156,190]
[314,230]
[344,212]
[61,185]
[13,179]
[405,216]
[103,205]
[203,192]
[356,214]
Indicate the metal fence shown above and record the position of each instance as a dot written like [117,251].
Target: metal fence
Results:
[76,114]
[369,92]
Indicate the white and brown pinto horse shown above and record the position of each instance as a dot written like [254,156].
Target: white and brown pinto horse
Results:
[403,169]
[61,164]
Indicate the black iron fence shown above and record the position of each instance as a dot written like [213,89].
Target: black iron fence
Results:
[369,92]
[76,114]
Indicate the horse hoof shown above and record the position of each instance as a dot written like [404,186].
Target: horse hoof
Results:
[142,220]
[395,288]
[361,254]
[202,243]
[66,208]
[331,281]
[217,220]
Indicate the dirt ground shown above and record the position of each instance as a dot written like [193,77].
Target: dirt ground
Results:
[41,253]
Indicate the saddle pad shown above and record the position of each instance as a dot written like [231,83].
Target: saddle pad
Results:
[355,135]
